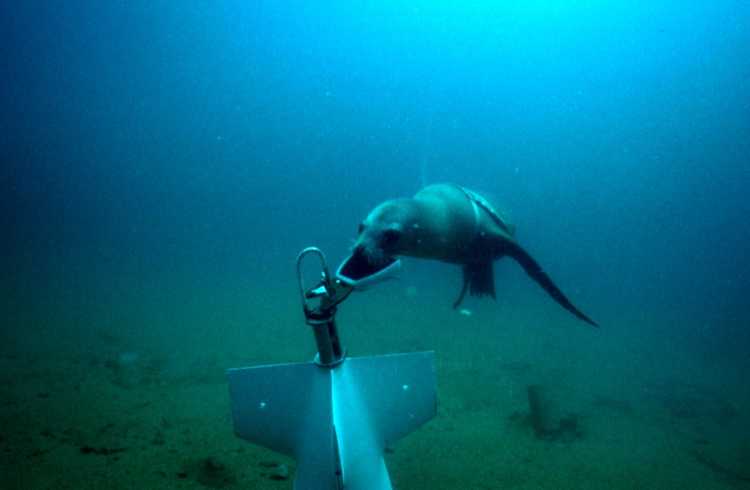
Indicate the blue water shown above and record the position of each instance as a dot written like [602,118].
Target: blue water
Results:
[154,153]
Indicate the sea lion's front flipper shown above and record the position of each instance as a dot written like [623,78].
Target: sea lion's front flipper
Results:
[534,270]
[461,295]
[479,279]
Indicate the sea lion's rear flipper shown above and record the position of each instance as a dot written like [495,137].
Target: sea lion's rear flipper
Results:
[479,279]
[534,270]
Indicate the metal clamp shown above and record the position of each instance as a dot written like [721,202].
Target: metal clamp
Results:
[321,316]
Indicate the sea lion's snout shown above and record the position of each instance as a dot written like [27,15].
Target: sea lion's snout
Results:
[358,252]
[377,246]
[381,236]
[368,250]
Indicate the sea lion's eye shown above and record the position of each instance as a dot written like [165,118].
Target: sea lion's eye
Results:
[361,228]
[391,236]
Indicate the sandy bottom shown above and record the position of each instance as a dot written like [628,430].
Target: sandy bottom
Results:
[108,405]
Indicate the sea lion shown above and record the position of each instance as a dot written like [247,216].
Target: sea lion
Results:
[449,223]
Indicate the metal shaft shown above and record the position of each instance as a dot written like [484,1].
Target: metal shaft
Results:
[326,334]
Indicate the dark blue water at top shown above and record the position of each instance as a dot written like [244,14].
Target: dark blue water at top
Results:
[211,141]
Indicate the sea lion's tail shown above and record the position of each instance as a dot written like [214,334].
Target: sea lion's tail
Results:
[534,270]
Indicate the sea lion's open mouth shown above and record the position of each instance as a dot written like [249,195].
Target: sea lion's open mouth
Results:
[359,272]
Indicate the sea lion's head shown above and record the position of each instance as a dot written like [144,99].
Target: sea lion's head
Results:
[386,232]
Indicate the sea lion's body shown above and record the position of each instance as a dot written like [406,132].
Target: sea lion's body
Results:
[455,228]
[452,224]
